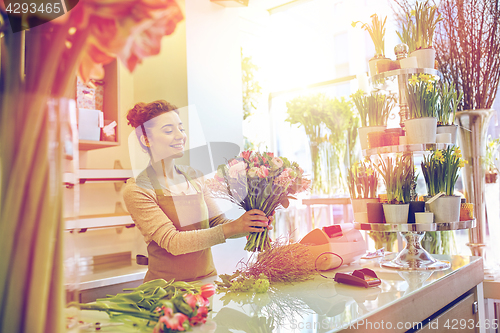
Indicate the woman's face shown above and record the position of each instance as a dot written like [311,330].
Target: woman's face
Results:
[166,136]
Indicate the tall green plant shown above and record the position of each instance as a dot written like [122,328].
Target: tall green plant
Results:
[376,31]
[422,96]
[449,100]
[362,180]
[251,87]
[373,109]
[398,175]
[440,170]
[426,20]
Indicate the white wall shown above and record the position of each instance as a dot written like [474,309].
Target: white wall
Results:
[214,69]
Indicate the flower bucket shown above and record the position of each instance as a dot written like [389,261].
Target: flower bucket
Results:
[452,129]
[425,57]
[446,208]
[360,205]
[415,207]
[421,130]
[363,134]
[375,212]
[375,139]
[396,213]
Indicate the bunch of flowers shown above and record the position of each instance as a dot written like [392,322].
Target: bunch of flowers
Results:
[440,170]
[362,180]
[398,177]
[184,311]
[373,109]
[422,96]
[261,181]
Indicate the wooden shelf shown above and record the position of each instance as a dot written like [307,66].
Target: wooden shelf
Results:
[105,175]
[111,107]
[99,221]
[90,145]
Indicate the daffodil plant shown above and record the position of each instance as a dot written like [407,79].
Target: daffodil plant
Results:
[362,180]
[377,33]
[373,109]
[449,99]
[422,95]
[490,157]
[440,170]
[398,177]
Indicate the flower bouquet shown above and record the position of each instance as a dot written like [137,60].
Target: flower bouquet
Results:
[261,181]
[173,306]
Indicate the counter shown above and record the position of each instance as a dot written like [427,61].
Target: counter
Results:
[405,301]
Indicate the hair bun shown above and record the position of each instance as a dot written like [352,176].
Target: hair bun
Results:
[135,116]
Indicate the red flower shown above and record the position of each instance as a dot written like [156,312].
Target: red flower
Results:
[190,300]
[270,154]
[246,154]
[201,316]
[207,290]
[263,172]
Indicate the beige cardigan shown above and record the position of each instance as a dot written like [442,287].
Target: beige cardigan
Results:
[142,204]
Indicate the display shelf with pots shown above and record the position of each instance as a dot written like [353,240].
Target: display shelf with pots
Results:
[414,256]
[413,148]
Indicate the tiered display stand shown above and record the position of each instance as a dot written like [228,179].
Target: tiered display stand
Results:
[413,257]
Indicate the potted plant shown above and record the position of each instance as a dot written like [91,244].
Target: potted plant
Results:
[373,111]
[309,112]
[447,106]
[440,170]
[422,96]
[417,31]
[362,180]
[397,174]
[377,34]
[491,170]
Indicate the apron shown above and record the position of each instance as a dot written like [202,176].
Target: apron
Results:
[187,212]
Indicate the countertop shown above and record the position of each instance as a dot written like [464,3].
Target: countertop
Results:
[323,305]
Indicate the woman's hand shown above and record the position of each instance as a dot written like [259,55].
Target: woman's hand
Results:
[252,221]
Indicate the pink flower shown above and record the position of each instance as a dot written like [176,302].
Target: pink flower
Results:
[237,169]
[207,290]
[232,162]
[201,316]
[270,154]
[190,300]
[277,163]
[173,322]
[262,172]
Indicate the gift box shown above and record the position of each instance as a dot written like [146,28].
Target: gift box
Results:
[90,95]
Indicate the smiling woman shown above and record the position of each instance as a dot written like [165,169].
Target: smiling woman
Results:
[178,218]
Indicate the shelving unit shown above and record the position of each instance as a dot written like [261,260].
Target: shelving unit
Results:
[85,222]
[111,107]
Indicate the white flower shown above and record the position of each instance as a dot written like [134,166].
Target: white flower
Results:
[253,172]
[277,163]
[237,169]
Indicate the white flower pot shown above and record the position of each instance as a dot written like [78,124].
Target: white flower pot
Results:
[396,213]
[421,130]
[446,208]
[363,134]
[452,129]
[359,205]
[425,57]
